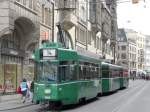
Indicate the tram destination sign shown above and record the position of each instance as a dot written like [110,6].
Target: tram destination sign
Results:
[49,54]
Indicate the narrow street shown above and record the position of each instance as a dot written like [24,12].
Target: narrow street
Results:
[133,99]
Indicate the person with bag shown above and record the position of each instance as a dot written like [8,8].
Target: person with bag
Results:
[19,90]
[24,89]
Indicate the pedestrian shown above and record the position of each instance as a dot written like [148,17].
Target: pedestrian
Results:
[30,93]
[31,90]
[24,89]
[19,90]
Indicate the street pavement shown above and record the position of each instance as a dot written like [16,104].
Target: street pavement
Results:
[12,105]
[136,98]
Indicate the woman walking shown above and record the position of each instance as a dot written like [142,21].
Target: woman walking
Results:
[24,89]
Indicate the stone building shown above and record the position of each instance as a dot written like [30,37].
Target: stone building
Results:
[131,50]
[23,26]
[141,51]
[89,25]
[122,48]
[147,53]
[127,50]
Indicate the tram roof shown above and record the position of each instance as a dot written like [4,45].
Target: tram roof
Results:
[112,65]
[88,59]
[51,45]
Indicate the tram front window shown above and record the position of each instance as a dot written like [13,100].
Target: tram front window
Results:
[46,72]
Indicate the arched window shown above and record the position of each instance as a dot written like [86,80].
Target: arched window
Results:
[83,13]
[11,41]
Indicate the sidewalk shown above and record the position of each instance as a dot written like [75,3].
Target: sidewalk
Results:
[5,98]
[8,102]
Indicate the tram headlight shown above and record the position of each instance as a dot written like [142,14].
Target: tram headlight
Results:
[47,91]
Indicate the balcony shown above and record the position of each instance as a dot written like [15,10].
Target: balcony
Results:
[14,52]
[95,17]
[68,20]
[66,4]
[96,27]
[66,13]
[106,22]
[106,31]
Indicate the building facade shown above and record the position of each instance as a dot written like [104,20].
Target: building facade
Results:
[131,50]
[122,49]
[19,30]
[141,51]
[24,24]
[147,53]
[132,54]
[127,50]
[89,26]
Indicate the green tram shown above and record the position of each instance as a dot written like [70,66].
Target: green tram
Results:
[64,76]
[113,77]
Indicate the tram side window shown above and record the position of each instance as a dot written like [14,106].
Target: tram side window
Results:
[121,73]
[114,73]
[125,73]
[88,71]
[84,71]
[81,72]
[117,73]
[37,71]
[97,72]
[62,73]
[67,71]
[93,72]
